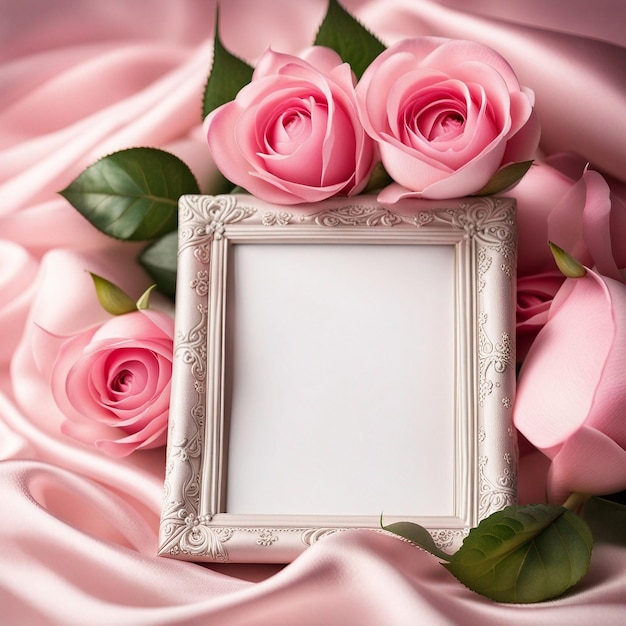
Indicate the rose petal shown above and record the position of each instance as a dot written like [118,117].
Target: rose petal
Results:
[596,223]
[573,375]
[588,462]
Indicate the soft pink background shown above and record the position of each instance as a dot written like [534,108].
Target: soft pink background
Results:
[80,79]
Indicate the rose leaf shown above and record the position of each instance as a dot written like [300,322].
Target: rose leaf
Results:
[132,194]
[606,515]
[348,38]
[144,300]
[228,75]
[159,261]
[505,178]
[112,299]
[418,535]
[379,178]
[524,554]
[567,264]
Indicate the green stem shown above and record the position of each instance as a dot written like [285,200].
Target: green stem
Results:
[576,501]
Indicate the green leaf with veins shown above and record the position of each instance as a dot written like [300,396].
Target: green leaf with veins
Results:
[524,554]
[348,38]
[505,178]
[132,194]
[159,260]
[228,75]
[521,554]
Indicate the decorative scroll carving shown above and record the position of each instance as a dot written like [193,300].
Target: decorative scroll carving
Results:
[266,538]
[492,357]
[281,218]
[496,494]
[448,539]
[311,535]
[356,215]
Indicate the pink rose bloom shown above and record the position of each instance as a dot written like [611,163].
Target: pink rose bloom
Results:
[293,134]
[571,392]
[534,297]
[446,115]
[550,207]
[573,207]
[112,382]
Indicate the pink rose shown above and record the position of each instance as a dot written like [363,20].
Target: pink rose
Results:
[293,134]
[598,229]
[571,393]
[112,382]
[534,297]
[576,210]
[446,115]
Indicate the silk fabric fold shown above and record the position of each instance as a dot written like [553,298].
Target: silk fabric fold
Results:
[78,529]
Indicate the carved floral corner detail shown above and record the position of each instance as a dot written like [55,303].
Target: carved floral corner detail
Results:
[184,532]
[203,219]
[490,221]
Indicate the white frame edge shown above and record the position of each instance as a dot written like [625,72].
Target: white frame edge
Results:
[484,235]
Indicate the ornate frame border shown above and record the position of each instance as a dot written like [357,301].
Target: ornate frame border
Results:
[484,235]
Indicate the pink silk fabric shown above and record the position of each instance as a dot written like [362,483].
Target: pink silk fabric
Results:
[80,79]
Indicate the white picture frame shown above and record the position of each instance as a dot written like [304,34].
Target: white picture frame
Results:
[313,340]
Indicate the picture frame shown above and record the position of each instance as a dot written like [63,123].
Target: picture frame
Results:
[334,364]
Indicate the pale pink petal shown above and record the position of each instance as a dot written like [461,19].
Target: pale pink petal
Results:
[406,170]
[323,59]
[538,193]
[596,224]
[524,140]
[375,109]
[565,365]
[457,51]
[271,63]
[565,223]
[534,298]
[588,462]
[468,179]
[137,326]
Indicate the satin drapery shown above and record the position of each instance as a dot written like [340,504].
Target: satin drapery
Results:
[80,79]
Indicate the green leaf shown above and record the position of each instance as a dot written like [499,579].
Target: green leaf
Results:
[132,194]
[348,38]
[524,554]
[228,75]
[505,178]
[418,535]
[159,260]
[144,299]
[567,264]
[379,178]
[619,497]
[112,299]
[607,518]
